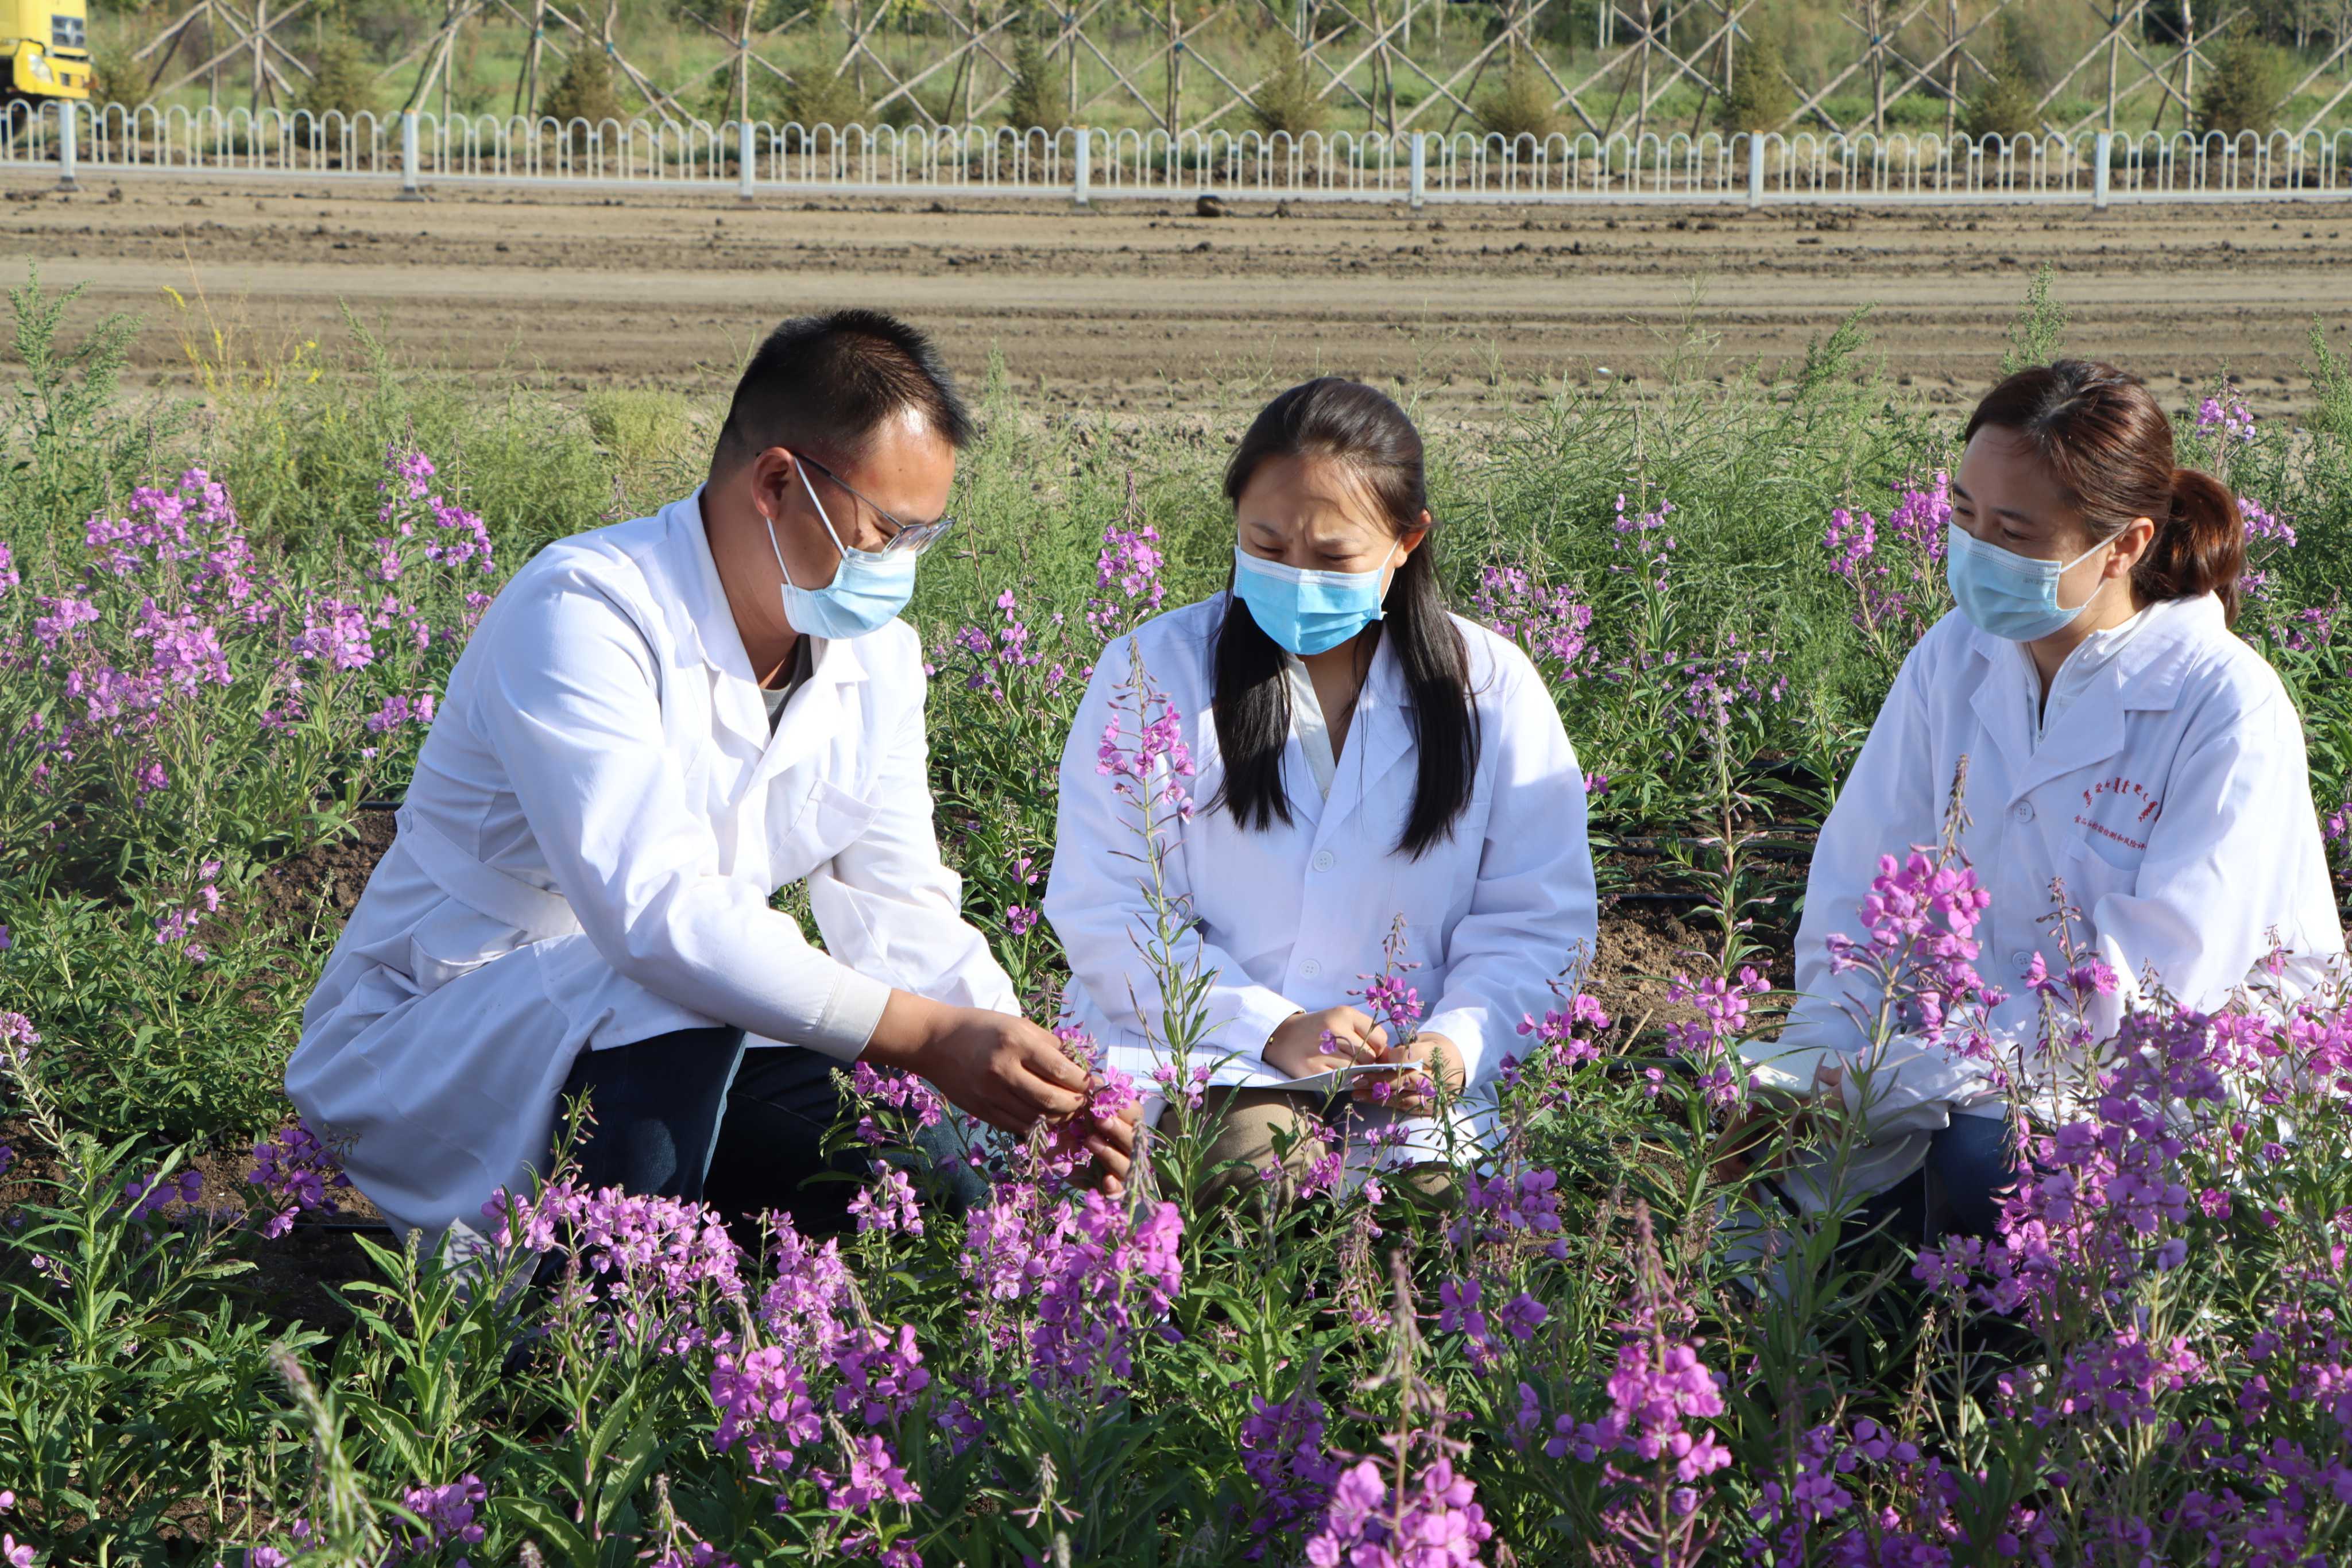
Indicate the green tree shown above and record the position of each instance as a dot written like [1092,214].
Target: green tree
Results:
[342,80]
[1522,105]
[584,92]
[2005,102]
[1286,99]
[817,96]
[1761,98]
[1036,101]
[2246,89]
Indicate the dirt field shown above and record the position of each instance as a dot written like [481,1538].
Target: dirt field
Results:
[1149,307]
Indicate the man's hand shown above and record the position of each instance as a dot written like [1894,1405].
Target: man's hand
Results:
[1439,1060]
[1305,1044]
[1004,1070]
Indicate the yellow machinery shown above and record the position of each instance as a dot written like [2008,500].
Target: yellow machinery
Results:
[46,45]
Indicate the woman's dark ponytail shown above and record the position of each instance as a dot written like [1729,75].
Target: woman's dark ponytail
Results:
[1364,428]
[2201,548]
[2110,448]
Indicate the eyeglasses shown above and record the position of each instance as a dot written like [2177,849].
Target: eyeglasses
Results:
[910,538]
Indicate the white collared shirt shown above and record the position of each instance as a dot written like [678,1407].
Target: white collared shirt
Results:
[1306,723]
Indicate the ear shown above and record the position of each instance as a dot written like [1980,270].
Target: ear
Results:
[772,478]
[2131,545]
[1412,539]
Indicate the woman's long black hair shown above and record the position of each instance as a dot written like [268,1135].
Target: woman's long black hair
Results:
[1360,426]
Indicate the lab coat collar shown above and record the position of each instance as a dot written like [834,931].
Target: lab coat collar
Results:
[707,629]
[2144,676]
[1380,741]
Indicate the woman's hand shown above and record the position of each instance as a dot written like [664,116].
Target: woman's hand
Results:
[1439,1060]
[1305,1044]
[1111,1141]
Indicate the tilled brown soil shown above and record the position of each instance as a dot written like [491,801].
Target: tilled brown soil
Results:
[1144,307]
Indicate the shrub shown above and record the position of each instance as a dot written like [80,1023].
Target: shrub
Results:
[342,79]
[583,93]
[1034,102]
[640,430]
[115,77]
[2003,104]
[1522,105]
[816,96]
[2246,89]
[1761,98]
[1286,100]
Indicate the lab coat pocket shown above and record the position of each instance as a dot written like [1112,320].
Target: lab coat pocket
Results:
[2097,867]
[829,821]
[456,939]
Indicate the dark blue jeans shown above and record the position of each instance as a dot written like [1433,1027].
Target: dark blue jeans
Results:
[1958,1190]
[697,1116]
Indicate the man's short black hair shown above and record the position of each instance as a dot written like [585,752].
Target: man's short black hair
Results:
[824,384]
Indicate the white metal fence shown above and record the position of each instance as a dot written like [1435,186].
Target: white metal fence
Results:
[756,159]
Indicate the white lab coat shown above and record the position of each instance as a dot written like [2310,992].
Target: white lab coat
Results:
[1293,918]
[599,820]
[2167,787]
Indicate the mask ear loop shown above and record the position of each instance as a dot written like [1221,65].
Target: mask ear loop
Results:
[2078,561]
[821,517]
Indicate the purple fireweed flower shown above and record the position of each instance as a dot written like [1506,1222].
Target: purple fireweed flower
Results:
[889,1204]
[2227,414]
[148,1195]
[1283,1455]
[1548,622]
[1432,1520]
[296,1174]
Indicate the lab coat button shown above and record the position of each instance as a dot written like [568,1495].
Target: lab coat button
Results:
[1311,968]
[2022,811]
[1323,859]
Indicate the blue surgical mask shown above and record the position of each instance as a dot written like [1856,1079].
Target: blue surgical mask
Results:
[866,592]
[2008,594]
[1308,611]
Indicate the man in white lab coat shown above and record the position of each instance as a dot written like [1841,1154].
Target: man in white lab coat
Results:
[658,726]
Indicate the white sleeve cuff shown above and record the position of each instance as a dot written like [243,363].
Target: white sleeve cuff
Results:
[1257,1012]
[1467,1028]
[850,1015]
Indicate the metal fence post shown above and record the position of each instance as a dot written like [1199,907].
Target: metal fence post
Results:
[746,170]
[409,190]
[67,150]
[2100,149]
[1080,187]
[1420,168]
[1755,168]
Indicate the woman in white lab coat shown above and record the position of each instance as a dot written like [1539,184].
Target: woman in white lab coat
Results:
[1363,758]
[2122,744]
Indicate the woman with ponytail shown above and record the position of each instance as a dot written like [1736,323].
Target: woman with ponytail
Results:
[1367,763]
[2127,757]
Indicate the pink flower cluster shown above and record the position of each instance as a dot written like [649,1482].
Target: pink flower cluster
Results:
[1897,572]
[1547,621]
[1569,1033]
[1150,770]
[1129,566]
[1710,1041]
[460,537]
[1104,1276]
[2227,414]
[1431,1520]
[1922,913]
